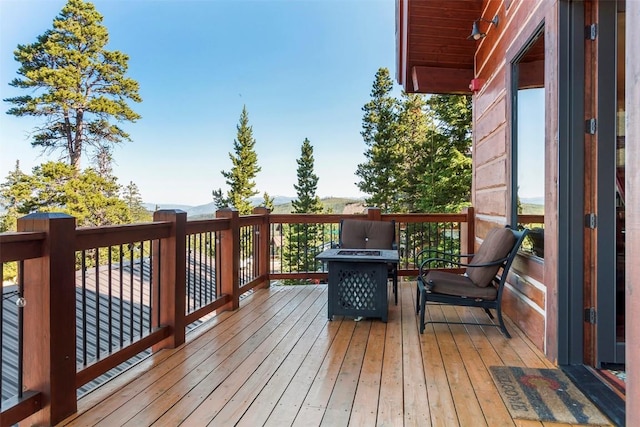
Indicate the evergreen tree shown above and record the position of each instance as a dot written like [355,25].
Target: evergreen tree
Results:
[133,199]
[307,200]
[77,85]
[104,161]
[241,177]
[453,115]
[302,241]
[13,191]
[418,156]
[58,187]
[447,166]
[413,129]
[267,201]
[380,173]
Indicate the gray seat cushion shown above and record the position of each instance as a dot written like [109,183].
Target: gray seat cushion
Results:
[496,245]
[443,282]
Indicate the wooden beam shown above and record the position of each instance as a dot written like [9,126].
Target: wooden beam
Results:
[229,259]
[262,241]
[20,246]
[50,318]
[17,409]
[437,80]
[170,278]
[531,74]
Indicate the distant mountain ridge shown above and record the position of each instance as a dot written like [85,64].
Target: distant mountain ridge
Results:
[282,204]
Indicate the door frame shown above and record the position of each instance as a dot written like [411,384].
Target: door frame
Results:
[608,349]
[586,256]
[571,161]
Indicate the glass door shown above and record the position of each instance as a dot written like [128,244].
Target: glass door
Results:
[620,172]
[611,201]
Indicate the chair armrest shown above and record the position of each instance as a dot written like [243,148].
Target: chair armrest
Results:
[436,253]
[425,266]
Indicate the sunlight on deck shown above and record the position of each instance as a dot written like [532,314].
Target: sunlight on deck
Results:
[278,361]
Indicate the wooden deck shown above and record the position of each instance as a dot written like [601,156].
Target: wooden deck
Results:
[277,361]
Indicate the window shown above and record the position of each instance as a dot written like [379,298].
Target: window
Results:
[528,139]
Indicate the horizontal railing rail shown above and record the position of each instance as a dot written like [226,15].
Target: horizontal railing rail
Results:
[534,242]
[292,258]
[17,403]
[20,246]
[115,292]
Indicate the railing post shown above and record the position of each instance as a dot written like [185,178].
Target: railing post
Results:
[169,278]
[468,232]
[229,252]
[374,214]
[263,245]
[50,318]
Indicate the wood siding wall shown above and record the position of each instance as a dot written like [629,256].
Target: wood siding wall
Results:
[531,298]
[533,307]
[633,215]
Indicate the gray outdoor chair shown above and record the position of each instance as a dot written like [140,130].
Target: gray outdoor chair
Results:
[481,285]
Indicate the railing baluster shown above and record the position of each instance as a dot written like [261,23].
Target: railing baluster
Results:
[20,329]
[97,302]
[110,297]
[142,305]
[84,307]
[121,295]
[158,279]
[2,343]
[200,254]
[131,295]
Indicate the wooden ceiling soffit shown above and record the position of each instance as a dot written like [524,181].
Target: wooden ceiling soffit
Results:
[436,56]
[439,80]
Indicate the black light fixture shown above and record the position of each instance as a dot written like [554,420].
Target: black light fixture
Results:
[475,32]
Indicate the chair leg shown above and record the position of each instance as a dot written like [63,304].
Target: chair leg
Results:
[423,308]
[486,310]
[395,287]
[421,303]
[503,327]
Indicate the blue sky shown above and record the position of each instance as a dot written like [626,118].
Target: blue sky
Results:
[303,68]
[531,131]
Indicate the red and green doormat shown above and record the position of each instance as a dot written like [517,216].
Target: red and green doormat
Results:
[544,395]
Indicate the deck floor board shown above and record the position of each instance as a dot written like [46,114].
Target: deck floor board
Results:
[278,361]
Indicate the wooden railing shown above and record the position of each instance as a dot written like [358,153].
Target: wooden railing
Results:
[127,289]
[534,243]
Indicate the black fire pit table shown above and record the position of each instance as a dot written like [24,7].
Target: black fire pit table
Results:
[358,281]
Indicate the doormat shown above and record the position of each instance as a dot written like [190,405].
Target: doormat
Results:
[544,395]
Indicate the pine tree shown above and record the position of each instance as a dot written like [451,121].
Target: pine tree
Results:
[446,182]
[302,241]
[133,199]
[267,201]
[57,187]
[413,130]
[307,200]
[241,177]
[13,191]
[77,84]
[380,173]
